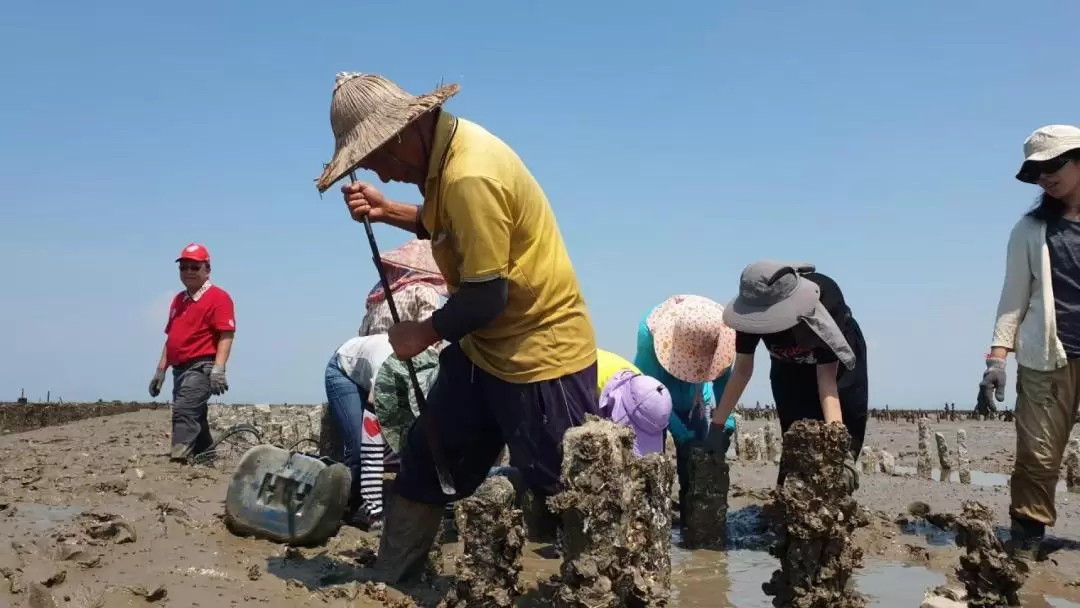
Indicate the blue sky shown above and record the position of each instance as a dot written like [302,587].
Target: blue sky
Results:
[677,143]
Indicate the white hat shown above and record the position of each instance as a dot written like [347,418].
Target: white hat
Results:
[1049,142]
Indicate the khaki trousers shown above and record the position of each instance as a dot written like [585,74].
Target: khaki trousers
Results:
[1046,407]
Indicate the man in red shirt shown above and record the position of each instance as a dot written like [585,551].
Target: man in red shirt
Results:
[199,337]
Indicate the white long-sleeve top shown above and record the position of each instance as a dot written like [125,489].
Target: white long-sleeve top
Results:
[1026,318]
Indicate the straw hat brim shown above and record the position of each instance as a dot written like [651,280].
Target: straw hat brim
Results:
[378,128]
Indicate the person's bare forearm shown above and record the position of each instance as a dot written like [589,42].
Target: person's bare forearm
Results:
[403,216]
[733,391]
[741,373]
[999,352]
[830,409]
[829,394]
[224,347]
[163,363]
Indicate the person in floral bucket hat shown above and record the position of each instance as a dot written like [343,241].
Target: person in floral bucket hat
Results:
[816,348]
[684,343]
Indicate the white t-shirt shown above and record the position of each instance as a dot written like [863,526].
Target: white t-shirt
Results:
[361,357]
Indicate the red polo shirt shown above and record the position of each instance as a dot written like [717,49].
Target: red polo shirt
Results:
[196,322]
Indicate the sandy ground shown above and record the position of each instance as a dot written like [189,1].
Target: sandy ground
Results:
[96,516]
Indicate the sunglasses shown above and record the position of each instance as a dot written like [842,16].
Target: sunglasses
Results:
[1031,173]
[186,267]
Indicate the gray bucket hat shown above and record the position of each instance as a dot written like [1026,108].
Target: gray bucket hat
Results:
[774,297]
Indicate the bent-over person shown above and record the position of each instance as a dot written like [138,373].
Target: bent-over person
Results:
[817,352]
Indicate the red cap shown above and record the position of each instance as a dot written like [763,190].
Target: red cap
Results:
[195,252]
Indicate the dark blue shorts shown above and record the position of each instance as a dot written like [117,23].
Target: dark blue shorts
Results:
[476,414]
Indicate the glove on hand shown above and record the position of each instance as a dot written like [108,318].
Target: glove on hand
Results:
[718,440]
[218,383]
[851,471]
[156,382]
[993,380]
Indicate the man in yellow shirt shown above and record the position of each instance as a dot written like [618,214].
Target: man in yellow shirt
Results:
[521,365]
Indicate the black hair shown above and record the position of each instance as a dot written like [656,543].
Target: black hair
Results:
[1049,209]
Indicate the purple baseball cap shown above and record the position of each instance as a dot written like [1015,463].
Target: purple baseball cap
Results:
[640,402]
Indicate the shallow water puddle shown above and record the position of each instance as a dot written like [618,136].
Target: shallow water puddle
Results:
[699,578]
[978,478]
[40,518]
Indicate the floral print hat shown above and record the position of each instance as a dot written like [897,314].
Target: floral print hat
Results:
[690,338]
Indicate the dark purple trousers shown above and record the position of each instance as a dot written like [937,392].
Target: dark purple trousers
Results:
[476,414]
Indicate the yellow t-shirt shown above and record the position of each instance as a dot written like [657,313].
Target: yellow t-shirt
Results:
[607,365]
[488,217]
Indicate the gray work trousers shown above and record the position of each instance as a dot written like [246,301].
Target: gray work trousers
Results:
[191,393]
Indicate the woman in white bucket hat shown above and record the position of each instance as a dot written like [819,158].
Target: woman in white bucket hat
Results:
[1038,319]
[817,352]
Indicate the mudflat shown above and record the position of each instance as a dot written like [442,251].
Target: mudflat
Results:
[95,515]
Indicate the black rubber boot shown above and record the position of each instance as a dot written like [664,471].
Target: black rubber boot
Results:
[409,530]
[1025,539]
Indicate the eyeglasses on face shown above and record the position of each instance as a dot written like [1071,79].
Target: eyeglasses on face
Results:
[1033,171]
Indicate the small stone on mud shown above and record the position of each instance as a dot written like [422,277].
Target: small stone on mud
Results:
[254,573]
[152,594]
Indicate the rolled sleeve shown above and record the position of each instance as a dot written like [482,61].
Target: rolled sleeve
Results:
[481,223]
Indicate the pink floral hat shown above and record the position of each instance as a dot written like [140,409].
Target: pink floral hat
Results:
[690,338]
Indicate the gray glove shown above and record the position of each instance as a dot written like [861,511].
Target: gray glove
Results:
[218,383]
[993,380]
[717,441]
[156,383]
[852,473]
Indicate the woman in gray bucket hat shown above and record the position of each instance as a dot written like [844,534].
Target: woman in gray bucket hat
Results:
[816,348]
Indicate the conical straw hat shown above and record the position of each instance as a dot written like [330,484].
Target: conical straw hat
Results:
[366,110]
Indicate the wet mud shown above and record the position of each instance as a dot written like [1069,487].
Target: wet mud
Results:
[492,531]
[62,480]
[815,519]
[19,417]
